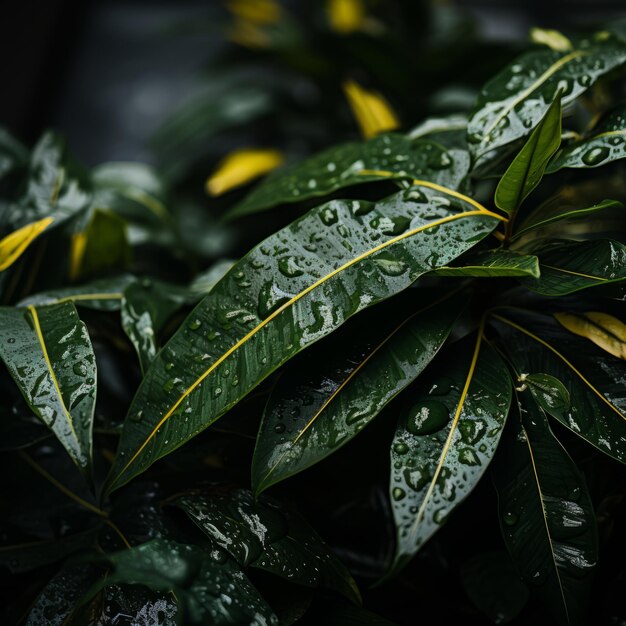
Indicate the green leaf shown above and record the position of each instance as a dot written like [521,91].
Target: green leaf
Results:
[515,100]
[570,266]
[558,210]
[492,263]
[549,392]
[494,587]
[317,408]
[546,515]
[604,144]
[449,131]
[208,587]
[48,353]
[528,167]
[597,410]
[13,155]
[102,295]
[445,439]
[379,158]
[261,534]
[296,287]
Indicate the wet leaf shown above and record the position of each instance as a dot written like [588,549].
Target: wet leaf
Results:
[290,291]
[492,263]
[264,535]
[208,588]
[527,168]
[48,353]
[596,380]
[604,144]
[317,408]
[512,103]
[445,439]
[385,156]
[548,392]
[546,515]
[570,266]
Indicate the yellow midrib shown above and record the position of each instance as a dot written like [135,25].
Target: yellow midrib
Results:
[504,320]
[455,421]
[38,332]
[292,301]
[526,92]
[560,269]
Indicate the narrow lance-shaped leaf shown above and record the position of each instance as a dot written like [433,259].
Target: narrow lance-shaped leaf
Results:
[371,110]
[446,439]
[570,266]
[48,353]
[514,101]
[492,263]
[264,535]
[604,144]
[356,163]
[315,410]
[527,168]
[557,210]
[297,286]
[596,380]
[14,244]
[546,514]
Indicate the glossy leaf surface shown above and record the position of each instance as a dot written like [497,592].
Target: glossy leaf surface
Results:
[293,289]
[48,353]
[527,168]
[356,163]
[547,518]
[208,588]
[263,535]
[513,102]
[596,380]
[315,410]
[14,244]
[570,266]
[445,439]
[605,143]
[492,263]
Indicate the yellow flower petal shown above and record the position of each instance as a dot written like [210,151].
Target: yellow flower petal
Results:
[242,166]
[603,329]
[346,16]
[551,38]
[14,244]
[372,112]
[256,11]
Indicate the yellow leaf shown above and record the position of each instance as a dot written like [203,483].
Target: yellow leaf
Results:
[371,110]
[256,11]
[13,245]
[77,252]
[604,330]
[346,16]
[242,166]
[249,35]
[551,38]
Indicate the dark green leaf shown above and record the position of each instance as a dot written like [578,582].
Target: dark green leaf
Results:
[290,291]
[558,211]
[356,163]
[527,168]
[48,352]
[549,392]
[445,439]
[316,409]
[595,379]
[514,101]
[208,587]
[546,515]
[492,263]
[263,535]
[569,266]
[604,144]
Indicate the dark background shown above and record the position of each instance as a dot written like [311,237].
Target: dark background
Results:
[106,73]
